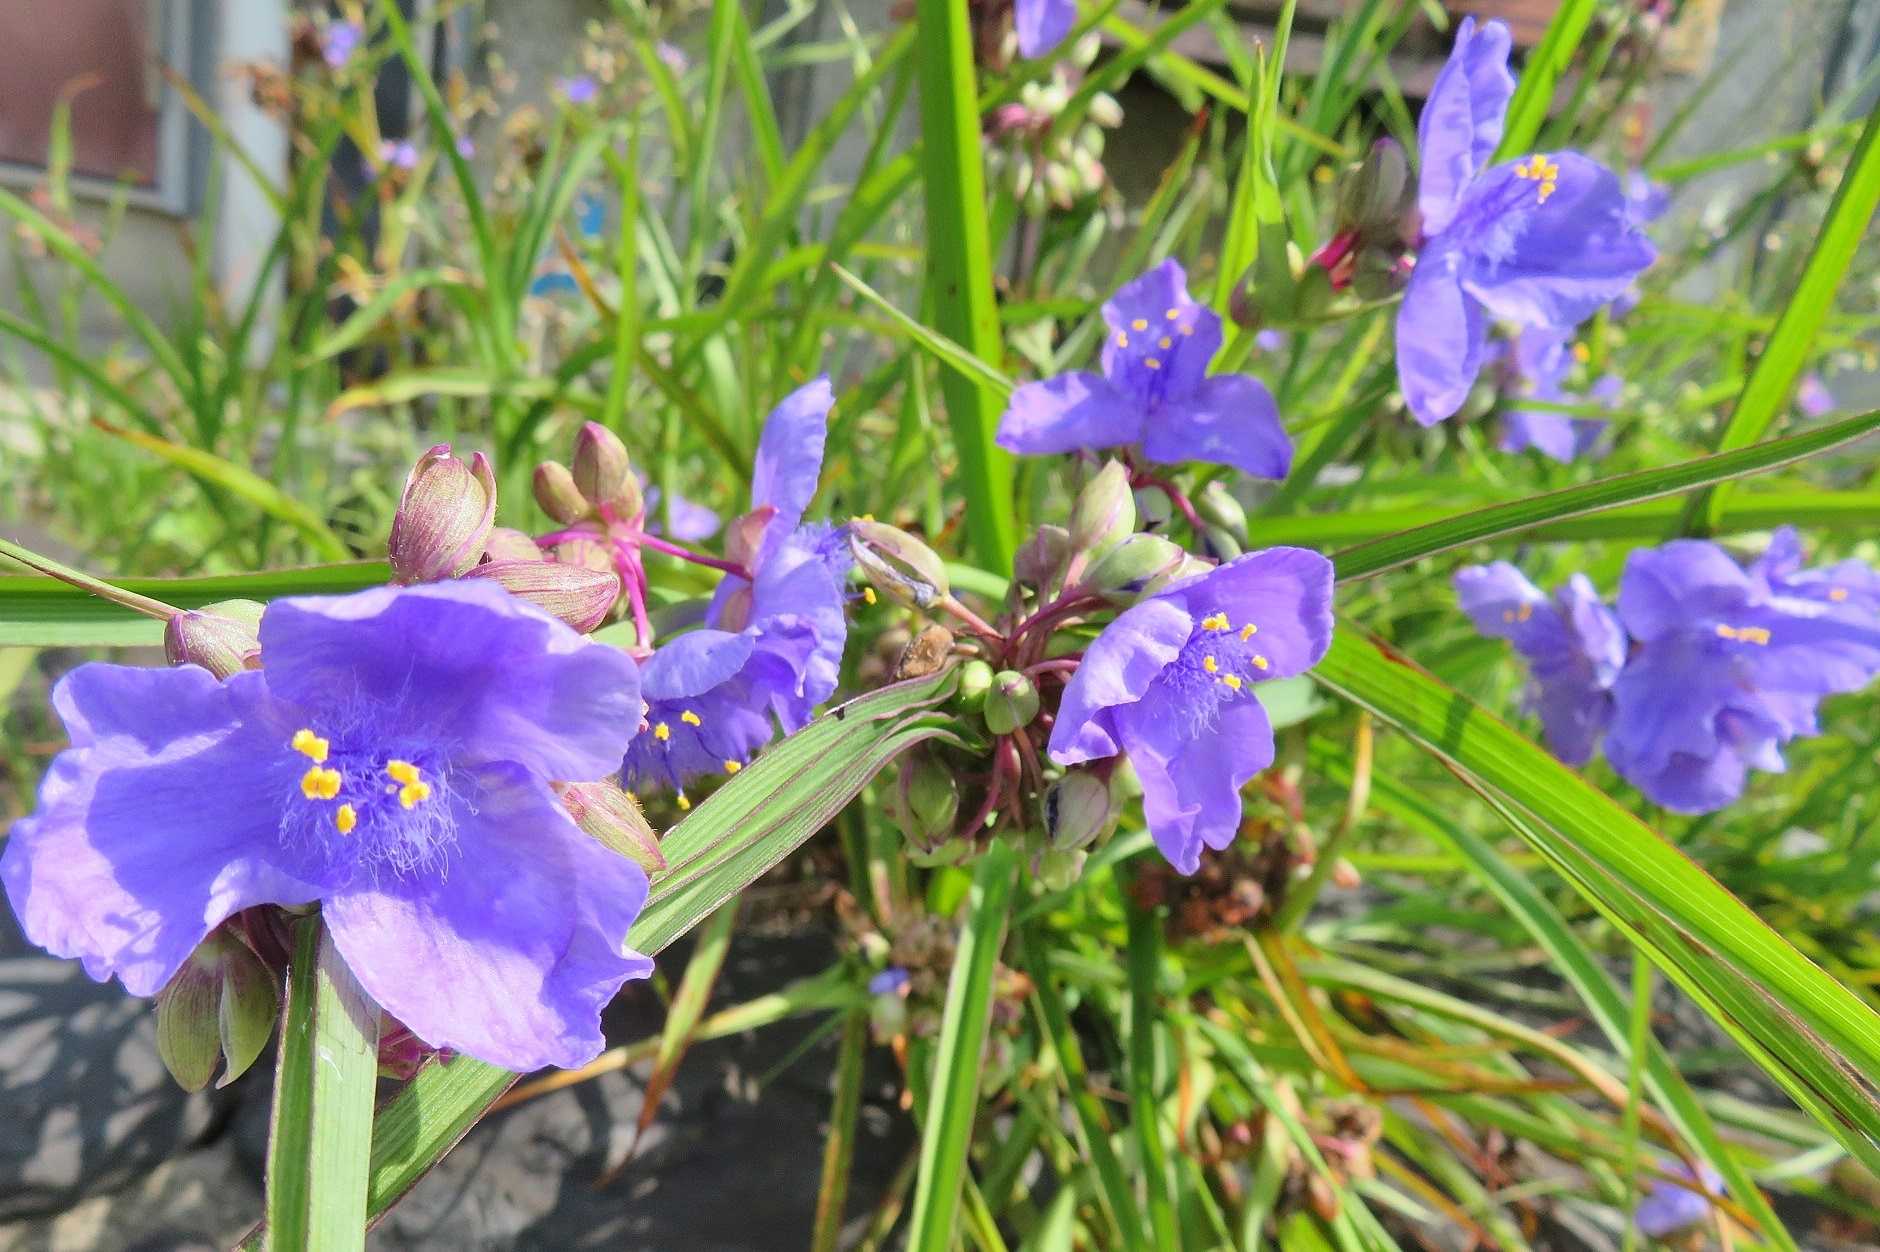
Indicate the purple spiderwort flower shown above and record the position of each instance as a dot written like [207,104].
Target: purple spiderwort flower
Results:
[1852,585]
[1154,390]
[393,763]
[1813,398]
[398,154]
[892,981]
[338,42]
[1543,356]
[1668,1208]
[1573,644]
[1646,199]
[466,147]
[1725,669]
[1542,241]
[578,89]
[691,521]
[1169,685]
[671,57]
[1042,24]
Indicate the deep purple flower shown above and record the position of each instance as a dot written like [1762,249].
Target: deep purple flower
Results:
[338,42]
[1042,24]
[1668,1208]
[1154,390]
[1543,357]
[1573,645]
[1813,398]
[704,711]
[578,89]
[892,981]
[392,762]
[1645,197]
[1169,684]
[1542,241]
[1725,669]
[399,154]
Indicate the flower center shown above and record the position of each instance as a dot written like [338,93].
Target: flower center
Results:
[686,738]
[1758,635]
[1539,169]
[1148,351]
[359,802]
[1217,664]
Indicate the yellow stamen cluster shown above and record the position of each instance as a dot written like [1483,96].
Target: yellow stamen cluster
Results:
[1216,621]
[320,783]
[1122,340]
[1165,343]
[662,732]
[1231,681]
[412,789]
[1208,663]
[1221,624]
[1152,363]
[1837,594]
[1538,168]
[1261,663]
[1248,631]
[345,817]
[1139,324]
[1518,615]
[868,595]
[685,805]
[731,766]
[310,745]
[1744,634]
[690,718]
[1582,353]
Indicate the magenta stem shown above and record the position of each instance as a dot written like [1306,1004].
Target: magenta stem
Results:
[686,554]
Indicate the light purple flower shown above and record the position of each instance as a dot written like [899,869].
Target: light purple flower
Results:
[1813,398]
[578,89]
[1042,24]
[1645,197]
[1573,644]
[691,521]
[1668,1208]
[466,147]
[1542,241]
[1169,684]
[399,154]
[671,57]
[338,42]
[391,762]
[892,981]
[1154,390]
[1852,586]
[1542,358]
[704,714]
[1725,669]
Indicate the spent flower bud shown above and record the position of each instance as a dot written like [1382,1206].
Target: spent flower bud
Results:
[1040,561]
[613,817]
[1378,198]
[897,564]
[223,638]
[505,544]
[1078,811]
[1011,704]
[220,1005]
[444,517]
[1105,512]
[602,471]
[578,595]
[556,493]
[925,802]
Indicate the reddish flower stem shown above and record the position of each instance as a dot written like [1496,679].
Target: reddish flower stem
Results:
[686,554]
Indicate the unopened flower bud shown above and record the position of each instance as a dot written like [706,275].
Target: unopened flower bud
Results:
[223,638]
[613,817]
[1189,566]
[221,1004]
[1217,504]
[1105,511]
[1153,507]
[1011,704]
[1125,569]
[925,801]
[1058,869]
[898,565]
[1105,111]
[444,517]
[556,493]
[955,850]
[1078,811]
[1377,198]
[1041,559]
[975,682]
[576,594]
[1222,544]
[505,544]
[585,553]
[602,471]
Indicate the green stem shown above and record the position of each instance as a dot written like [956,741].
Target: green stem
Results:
[146,605]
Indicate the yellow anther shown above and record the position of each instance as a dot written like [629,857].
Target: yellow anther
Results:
[1582,353]
[1248,631]
[345,818]
[1173,314]
[1152,363]
[1188,330]
[1139,324]
[1122,340]
[1216,621]
[685,805]
[1260,662]
[1837,594]
[731,766]
[690,718]
[1208,664]
[320,783]
[868,594]
[1165,343]
[412,794]
[403,772]
[662,732]
[309,745]
[868,517]
[1744,634]
[1231,681]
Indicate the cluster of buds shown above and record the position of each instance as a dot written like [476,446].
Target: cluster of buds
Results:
[1044,160]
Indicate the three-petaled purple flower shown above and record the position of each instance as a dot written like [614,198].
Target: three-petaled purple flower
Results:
[1169,684]
[1543,356]
[1813,398]
[392,762]
[338,42]
[1668,1207]
[1729,664]
[1573,645]
[578,89]
[1042,24]
[1541,241]
[1154,391]
[771,645]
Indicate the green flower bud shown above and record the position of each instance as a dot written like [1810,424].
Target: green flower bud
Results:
[898,565]
[1189,566]
[1153,507]
[578,595]
[1127,568]
[556,493]
[1078,811]
[1011,704]
[602,473]
[224,639]
[1040,561]
[613,818]
[1058,869]
[975,682]
[1217,504]
[1105,512]
[1222,543]
[444,517]
[925,801]
[220,1005]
